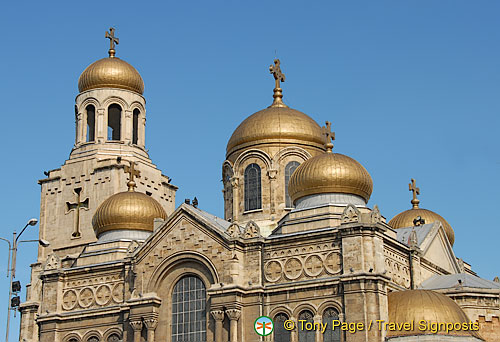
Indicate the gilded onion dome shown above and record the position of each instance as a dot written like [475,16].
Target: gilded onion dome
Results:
[330,173]
[111,72]
[429,306]
[276,124]
[405,219]
[128,210]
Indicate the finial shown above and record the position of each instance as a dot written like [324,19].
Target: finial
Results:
[112,41]
[329,136]
[132,174]
[416,191]
[275,70]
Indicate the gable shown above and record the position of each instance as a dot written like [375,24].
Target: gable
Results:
[437,250]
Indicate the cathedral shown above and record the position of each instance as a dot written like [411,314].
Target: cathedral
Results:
[298,242]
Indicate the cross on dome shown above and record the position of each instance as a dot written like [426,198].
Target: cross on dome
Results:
[329,136]
[416,191]
[112,41]
[132,174]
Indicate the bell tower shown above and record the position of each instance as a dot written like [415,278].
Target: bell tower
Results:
[110,118]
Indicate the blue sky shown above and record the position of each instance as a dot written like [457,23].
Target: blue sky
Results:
[411,88]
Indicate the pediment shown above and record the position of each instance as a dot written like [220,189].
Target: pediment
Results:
[184,231]
[437,249]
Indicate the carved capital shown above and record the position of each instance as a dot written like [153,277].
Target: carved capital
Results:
[136,325]
[233,314]
[151,323]
[218,315]
[235,182]
[272,174]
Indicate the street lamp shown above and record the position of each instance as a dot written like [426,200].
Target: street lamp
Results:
[11,268]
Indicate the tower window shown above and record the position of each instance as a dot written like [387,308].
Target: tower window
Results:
[189,320]
[331,335]
[135,126]
[289,169]
[253,191]
[280,333]
[114,122]
[90,123]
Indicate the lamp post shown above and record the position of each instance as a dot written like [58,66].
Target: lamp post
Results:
[11,267]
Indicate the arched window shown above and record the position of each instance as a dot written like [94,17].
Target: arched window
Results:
[189,321]
[280,333]
[135,126]
[114,338]
[114,122]
[306,335]
[90,123]
[252,187]
[331,335]
[289,168]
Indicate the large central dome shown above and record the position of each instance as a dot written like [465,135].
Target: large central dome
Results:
[276,124]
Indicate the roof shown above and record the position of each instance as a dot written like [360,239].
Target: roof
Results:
[403,234]
[214,220]
[451,281]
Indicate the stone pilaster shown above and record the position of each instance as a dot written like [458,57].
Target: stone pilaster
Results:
[234,316]
[272,179]
[137,326]
[151,324]
[218,316]
[235,184]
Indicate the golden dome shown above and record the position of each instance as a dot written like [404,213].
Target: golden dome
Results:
[276,124]
[127,210]
[417,305]
[111,72]
[405,219]
[330,173]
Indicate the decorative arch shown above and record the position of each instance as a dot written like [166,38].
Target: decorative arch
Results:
[70,336]
[137,105]
[115,99]
[253,153]
[226,165]
[186,260]
[90,101]
[90,334]
[329,304]
[281,309]
[112,331]
[291,151]
[303,307]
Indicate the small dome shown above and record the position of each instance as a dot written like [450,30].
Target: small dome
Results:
[330,173]
[111,72]
[127,210]
[276,124]
[405,219]
[417,305]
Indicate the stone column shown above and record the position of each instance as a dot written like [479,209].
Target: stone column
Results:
[318,319]
[126,126]
[101,125]
[141,130]
[234,316]
[272,178]
[137,326]
[235,182]
[218,316]
[294,337]
[151,324]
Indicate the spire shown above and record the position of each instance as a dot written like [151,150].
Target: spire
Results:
[112,41]
[416,191]
[132,174]
[329,136]
[275,70]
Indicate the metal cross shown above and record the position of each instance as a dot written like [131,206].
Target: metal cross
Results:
[132,174]
[76,207]
[329,135]
[112,41]
[276,71]
[416,191]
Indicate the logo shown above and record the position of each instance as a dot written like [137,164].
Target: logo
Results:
[263,326]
